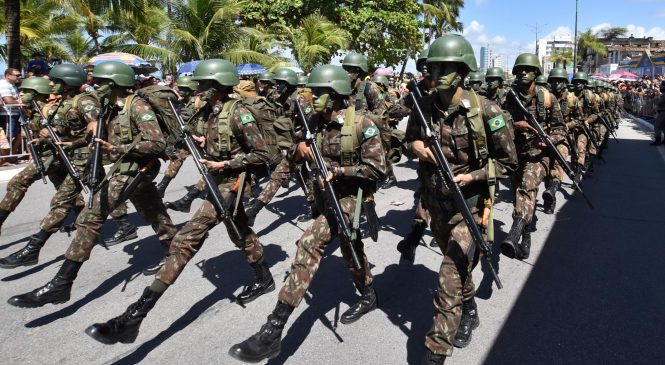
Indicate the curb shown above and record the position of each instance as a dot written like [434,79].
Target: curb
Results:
[6,175]
[641,121]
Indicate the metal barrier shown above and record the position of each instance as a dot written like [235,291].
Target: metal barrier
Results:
[6,142]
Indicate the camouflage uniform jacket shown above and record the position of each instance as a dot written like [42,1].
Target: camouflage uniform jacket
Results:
[359,95]
[549,117]
[498,97]
[370,162]
[247,149]
[143,123]
[70,122]
[587,102]
[289,122]
[376,97]
[457,143]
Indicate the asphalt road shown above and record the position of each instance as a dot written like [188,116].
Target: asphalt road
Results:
[591,293]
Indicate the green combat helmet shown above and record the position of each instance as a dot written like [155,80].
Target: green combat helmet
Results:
[287,75]
[528,59]
[267,77]
[541,80]
[496,72]
[558,73]
[421,61]
[380,79]
[581,77]
[188,83]
[354,59]
[329,76]
[72,75]
[37,85]
[475,77]
[118,72]
[222,71]
[302,80]
[453,48]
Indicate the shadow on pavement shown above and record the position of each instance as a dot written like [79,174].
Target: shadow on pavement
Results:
[595,293]
[227,272]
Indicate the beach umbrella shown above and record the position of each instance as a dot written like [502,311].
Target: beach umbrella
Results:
[139,65]
[187,67]
[250,69]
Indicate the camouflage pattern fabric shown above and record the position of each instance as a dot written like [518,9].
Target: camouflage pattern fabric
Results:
[447,225]
[175,163]
[370,167]
[280,173]
[189,239]
[248,151]
[145,198]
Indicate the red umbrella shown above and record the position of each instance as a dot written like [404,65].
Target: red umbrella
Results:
[624,75]
[383,72]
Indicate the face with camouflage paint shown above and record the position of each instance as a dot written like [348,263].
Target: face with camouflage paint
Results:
[558,85]
[59,86]
[322,100]
[525,75]
[446,75]
[493,83]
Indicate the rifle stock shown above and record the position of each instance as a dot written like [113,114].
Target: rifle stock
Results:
[446,175]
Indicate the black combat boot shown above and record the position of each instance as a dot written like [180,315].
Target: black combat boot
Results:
[152,269]
[125,328]
[549,196]
[267,343]
[524,247]
[184,204]
[3,216]
[285,182]
[368,301]
[468,323]
[161,187]
[390,181]
[263,284]
[126,231]
[433,359]
[407,246]
[657,142]
[252,209]
[28,255]
[55,291]
[579,172]
[312,213]
[509,245]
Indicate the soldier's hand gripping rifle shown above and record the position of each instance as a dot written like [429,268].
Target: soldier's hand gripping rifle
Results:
[322,173]
[59,150]
[592,138]
[446,175]
[214,194]
[34,152]
[550,145]
[96,163]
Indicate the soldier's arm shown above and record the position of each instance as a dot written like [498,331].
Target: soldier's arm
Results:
[372,164]
[152,141]
[500,142]
[247,133]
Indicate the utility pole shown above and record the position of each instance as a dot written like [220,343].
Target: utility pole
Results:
[577,6]
[535,29]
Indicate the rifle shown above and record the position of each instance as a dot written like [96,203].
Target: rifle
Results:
[214,194]
[34,152]
[550,145]
[446,175]
[96,150]
[59,150]
[322,174]
[609,128]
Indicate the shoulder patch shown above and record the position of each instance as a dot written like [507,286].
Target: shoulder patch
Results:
[246,118]
[497,123]
[147,117]
[308,110]
[370,131]
[88,108]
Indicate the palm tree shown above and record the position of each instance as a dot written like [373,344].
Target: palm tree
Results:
[255,46]
[561,57]
[440,17]
[11,24]
[588,41]
[315,41]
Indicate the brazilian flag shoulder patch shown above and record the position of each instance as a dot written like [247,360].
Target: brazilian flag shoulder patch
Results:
[308,110]
[370,131]
[246,118]
[147,117]
[88,108]
[497,123]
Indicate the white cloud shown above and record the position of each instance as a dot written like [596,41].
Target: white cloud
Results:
[499,39]
[480,2]
[559,31]
[473,27]
[639,31]
[599,27]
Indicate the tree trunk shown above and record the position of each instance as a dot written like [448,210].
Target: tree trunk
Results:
[13,33]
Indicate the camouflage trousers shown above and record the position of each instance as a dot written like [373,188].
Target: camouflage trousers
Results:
[455,283]
[601,132]
[526,180]
[67,197]
[311,245]
[146,200]
[19,184]
[282,172]
[556,170]
[189,239]
[421,215]
[175,163]
[582,142]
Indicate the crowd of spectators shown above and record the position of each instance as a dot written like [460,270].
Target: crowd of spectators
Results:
[639,96]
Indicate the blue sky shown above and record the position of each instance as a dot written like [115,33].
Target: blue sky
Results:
[509,25]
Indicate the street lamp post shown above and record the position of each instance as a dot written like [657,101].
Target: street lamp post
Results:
[577,3]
